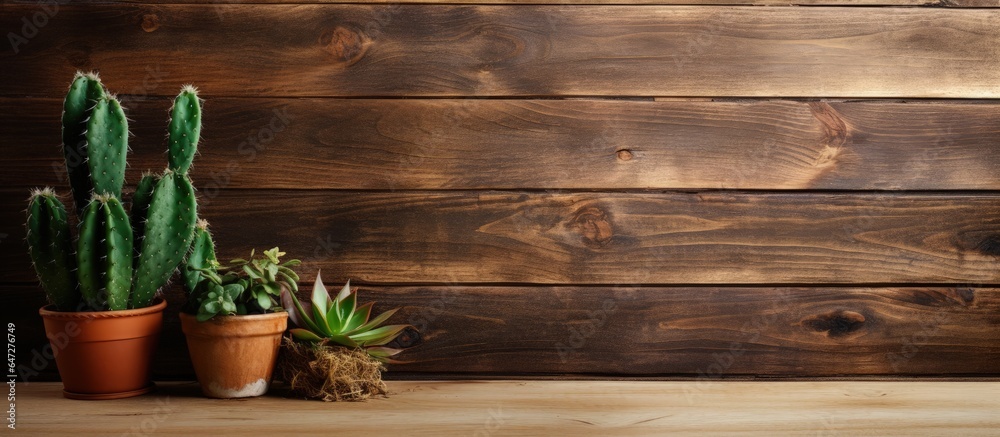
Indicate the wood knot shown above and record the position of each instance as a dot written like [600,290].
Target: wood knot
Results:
[827,156]
[593,225]
[989,246]
[78,54]
[835,130]
[344,44]
[624,155]
[836,324]
[968,295]
[150,22]
[408,338]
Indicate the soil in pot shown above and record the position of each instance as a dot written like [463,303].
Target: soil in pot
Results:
[104,354]
[234,356]
[329,373]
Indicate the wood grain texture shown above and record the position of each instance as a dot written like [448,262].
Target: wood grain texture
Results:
[937,3]
[594,408]
[542,144]
[527,50]
[602,238]
[703,332]
[969,3]
[693,332]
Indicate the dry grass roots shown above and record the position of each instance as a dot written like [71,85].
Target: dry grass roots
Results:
[329,372]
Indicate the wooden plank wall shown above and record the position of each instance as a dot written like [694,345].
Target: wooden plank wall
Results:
[627,188]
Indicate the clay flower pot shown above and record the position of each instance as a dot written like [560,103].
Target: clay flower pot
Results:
[104,354]
[234,356]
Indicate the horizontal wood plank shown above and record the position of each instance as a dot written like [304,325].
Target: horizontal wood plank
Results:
[567,3]
[526,50]
[705,332]
[601,238]
[592,408]
[544,144]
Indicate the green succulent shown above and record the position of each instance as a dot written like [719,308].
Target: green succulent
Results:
[266,276]
[342,321]
[217,298]
[244,287]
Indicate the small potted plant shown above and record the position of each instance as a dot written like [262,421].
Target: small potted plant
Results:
[104,316]
[337,351]
[232,321]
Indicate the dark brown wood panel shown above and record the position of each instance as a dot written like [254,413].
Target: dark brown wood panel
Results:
[697,332]
[526,50]
[702,331]
[602,238]
[541,144]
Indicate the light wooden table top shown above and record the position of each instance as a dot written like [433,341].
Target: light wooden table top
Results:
[576,408]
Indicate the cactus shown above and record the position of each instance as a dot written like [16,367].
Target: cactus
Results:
[201,256]
[170,221]
[169,230]
[140,208]
[107,143]
[49,244]
[83,95]
[164,210]
[185,129]
[104,254]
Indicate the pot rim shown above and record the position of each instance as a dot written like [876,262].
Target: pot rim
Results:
[237,317]
[248,325]
[49,312]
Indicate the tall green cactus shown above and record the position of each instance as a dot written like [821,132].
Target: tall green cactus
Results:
[140,208]
[49,244]
[173,208]
[185,129]
[106,272]
[169,230]
[104,254]
[107,143]
[83,95]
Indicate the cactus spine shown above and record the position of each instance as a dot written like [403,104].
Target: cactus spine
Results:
[164,209]
[49,244]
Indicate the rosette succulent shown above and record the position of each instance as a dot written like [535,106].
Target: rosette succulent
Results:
[341,320]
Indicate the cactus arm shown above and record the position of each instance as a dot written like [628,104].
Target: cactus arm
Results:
[140,208]
[83,94]
[169,231]
[88,256]
[199,257]
[104,253]
[118,270]
[49,245]
[184,129]
[107,145]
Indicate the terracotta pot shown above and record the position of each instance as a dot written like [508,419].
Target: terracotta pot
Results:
[104,354]
[234,356]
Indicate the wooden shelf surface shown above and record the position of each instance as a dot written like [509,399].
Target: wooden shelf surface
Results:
[578,408]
